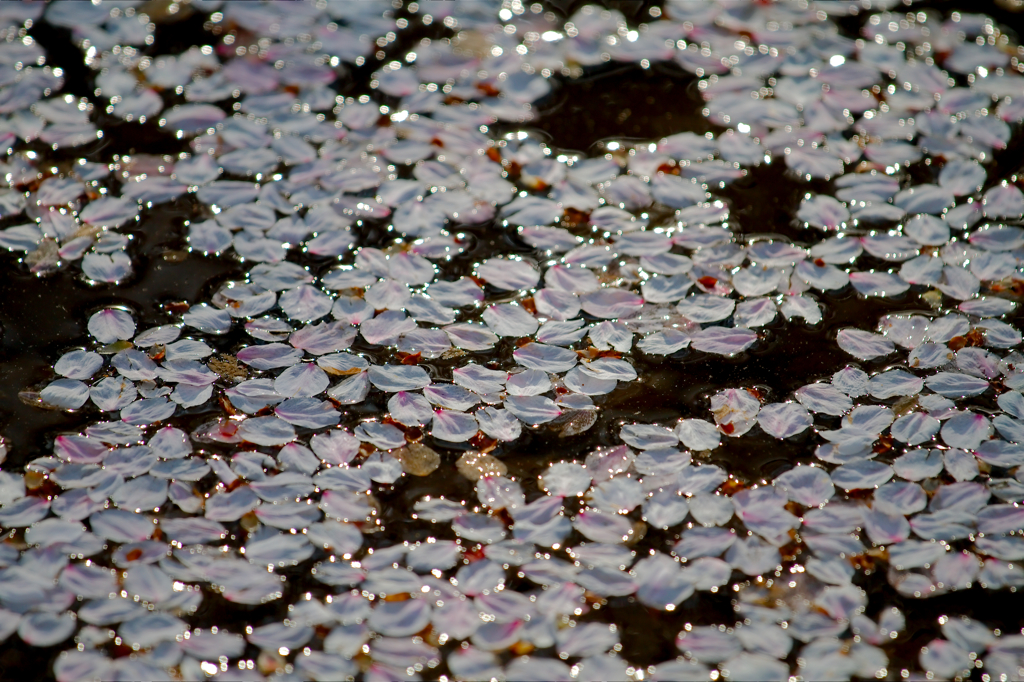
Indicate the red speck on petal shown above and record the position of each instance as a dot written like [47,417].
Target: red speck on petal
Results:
[474,555]
[488,89]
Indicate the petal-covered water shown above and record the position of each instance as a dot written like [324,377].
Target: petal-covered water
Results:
[353,367]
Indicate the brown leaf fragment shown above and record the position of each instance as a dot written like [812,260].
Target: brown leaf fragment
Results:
[417,459]
[476,465]
[228,367]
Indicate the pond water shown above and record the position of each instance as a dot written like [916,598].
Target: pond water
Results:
[481,340]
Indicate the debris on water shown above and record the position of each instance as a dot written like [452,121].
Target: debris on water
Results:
[228,367]
[417,459]
[476,465]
